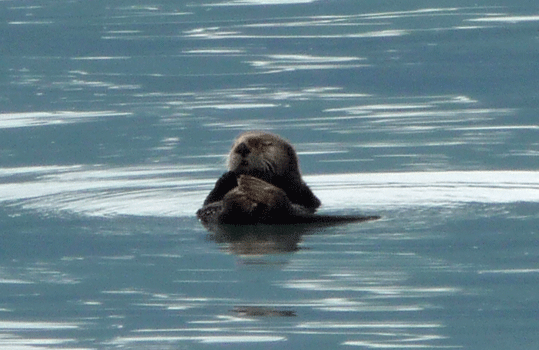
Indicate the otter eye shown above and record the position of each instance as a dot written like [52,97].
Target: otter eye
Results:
[254,143]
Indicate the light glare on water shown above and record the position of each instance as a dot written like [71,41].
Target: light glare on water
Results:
[115,122]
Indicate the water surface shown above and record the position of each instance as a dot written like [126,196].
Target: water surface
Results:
[115,121]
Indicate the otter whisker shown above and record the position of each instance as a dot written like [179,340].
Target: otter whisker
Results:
[269,167]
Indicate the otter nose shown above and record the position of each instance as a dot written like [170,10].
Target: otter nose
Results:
[242,149]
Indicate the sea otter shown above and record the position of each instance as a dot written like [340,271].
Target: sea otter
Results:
[263,185]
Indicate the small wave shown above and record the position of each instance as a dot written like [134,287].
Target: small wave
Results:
[29,119]
[167,191]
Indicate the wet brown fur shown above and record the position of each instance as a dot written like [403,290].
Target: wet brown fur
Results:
[263,185]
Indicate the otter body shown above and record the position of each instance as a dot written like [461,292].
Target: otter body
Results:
[270,158]
[263,185]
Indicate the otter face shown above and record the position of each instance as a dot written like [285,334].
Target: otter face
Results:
[262,153]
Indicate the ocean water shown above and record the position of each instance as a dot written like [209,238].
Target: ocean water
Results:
[115,120]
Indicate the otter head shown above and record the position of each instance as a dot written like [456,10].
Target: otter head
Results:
[263,155]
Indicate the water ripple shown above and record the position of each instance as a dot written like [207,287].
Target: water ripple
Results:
[173,191]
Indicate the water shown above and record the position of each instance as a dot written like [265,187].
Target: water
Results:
[115,117]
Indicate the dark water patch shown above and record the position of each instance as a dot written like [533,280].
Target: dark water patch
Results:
[116,119]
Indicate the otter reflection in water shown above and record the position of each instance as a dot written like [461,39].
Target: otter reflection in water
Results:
[263,185]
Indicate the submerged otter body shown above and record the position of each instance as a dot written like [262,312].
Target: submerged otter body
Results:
[263,185]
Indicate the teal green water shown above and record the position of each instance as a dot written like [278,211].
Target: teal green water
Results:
[115,120]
